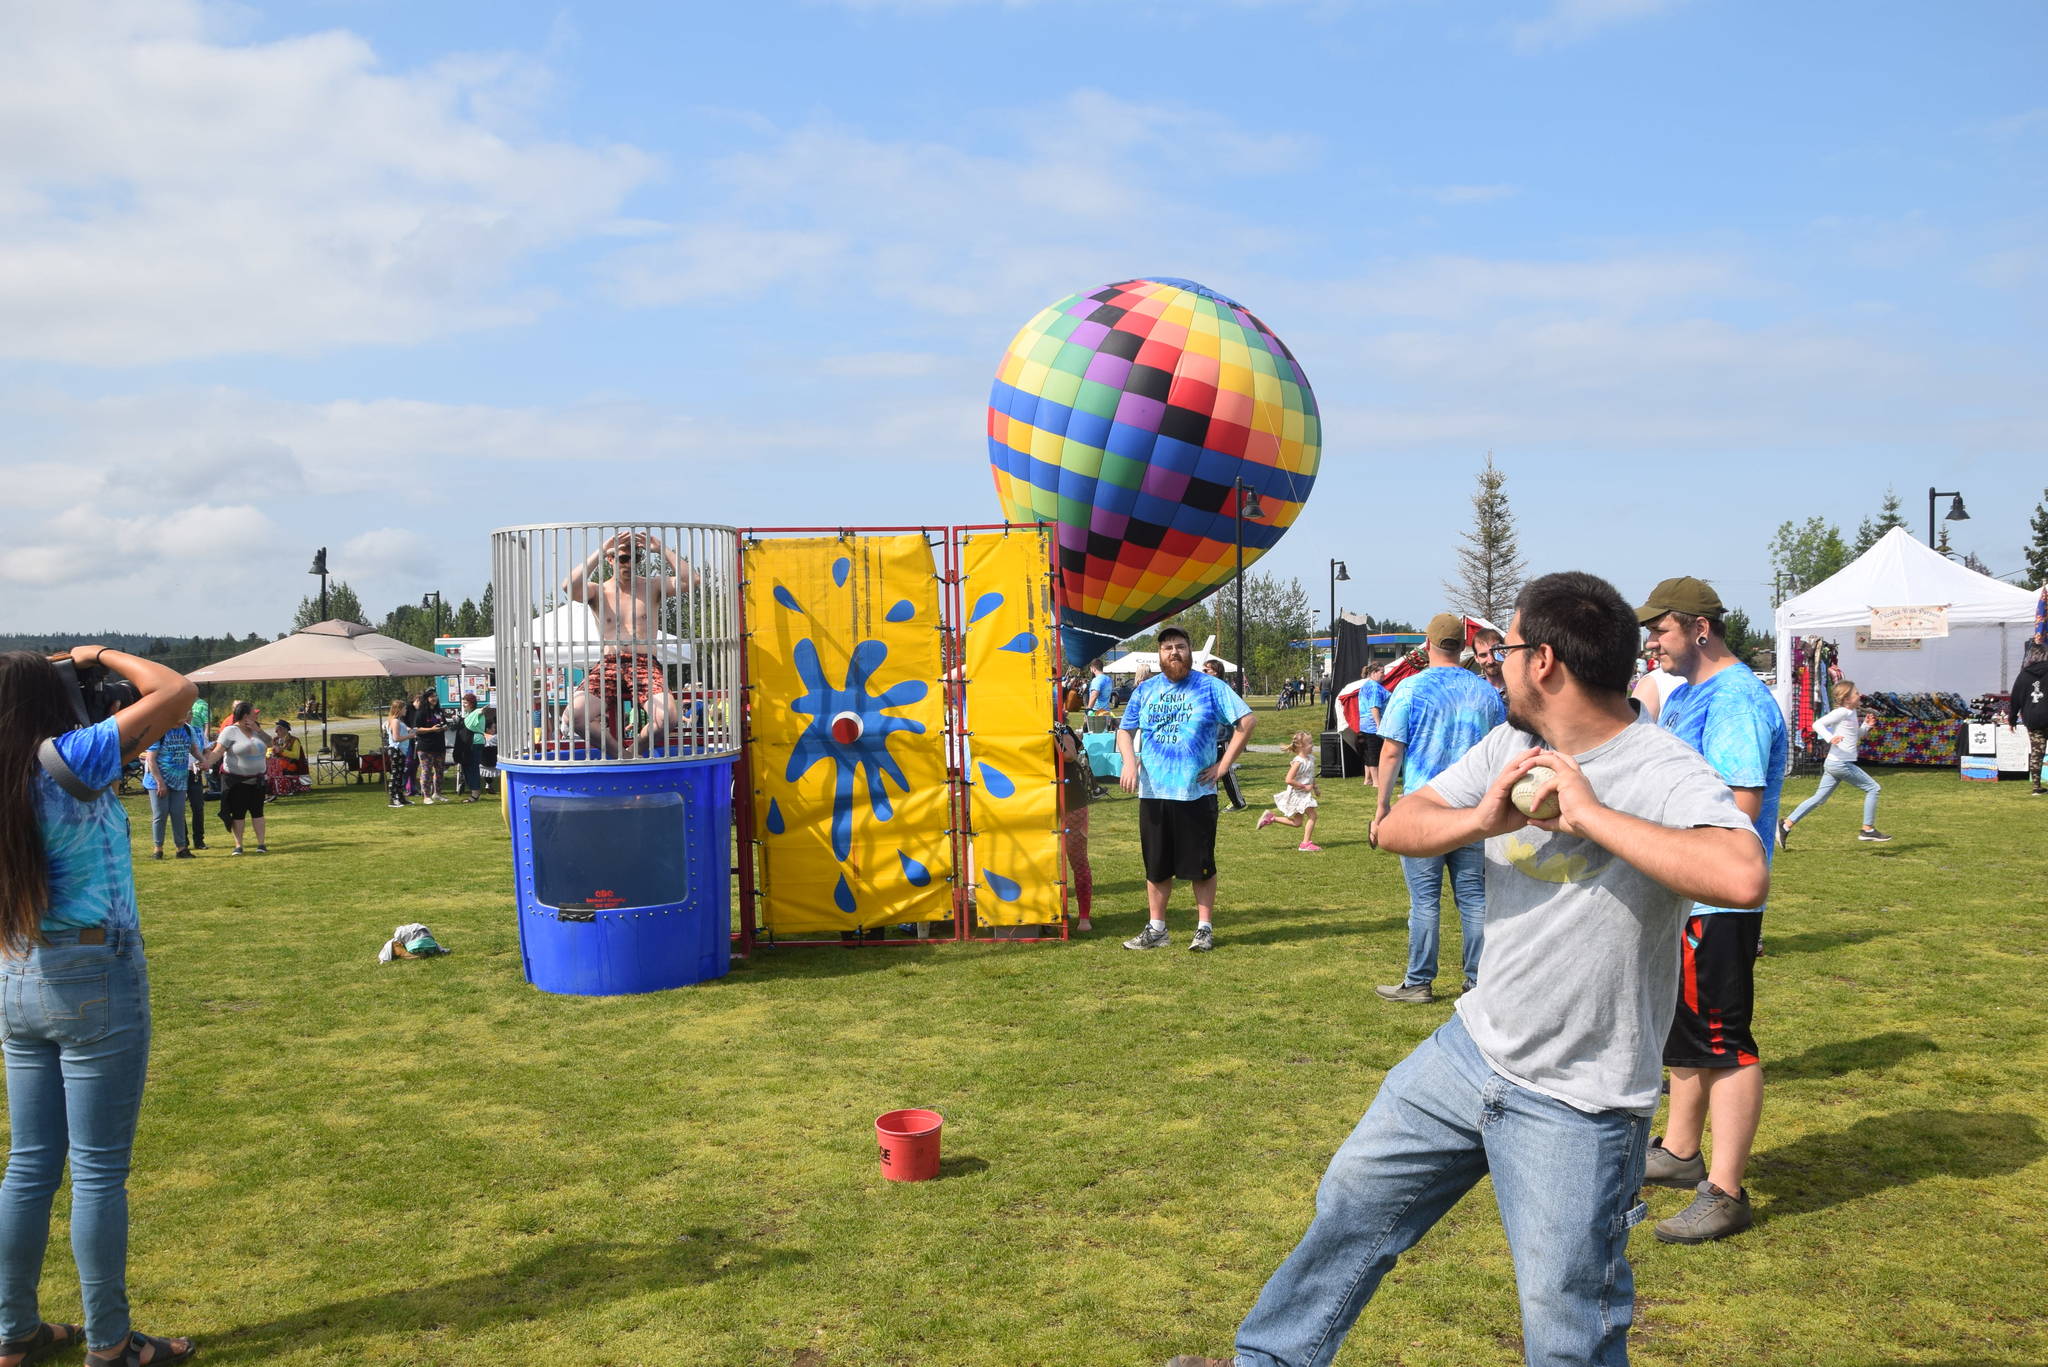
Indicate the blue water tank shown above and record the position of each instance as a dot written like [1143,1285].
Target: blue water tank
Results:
[624,873]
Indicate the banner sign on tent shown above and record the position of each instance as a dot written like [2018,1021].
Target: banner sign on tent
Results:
[1864,641]
[1006,589]
[848,732]
[1926,622]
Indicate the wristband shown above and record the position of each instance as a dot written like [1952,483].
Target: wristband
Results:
[97,656]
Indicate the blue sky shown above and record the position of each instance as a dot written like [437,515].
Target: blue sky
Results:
[383,276]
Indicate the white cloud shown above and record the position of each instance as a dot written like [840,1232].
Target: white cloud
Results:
[887,365]
[169,193]
[1570,21]
[1088,190]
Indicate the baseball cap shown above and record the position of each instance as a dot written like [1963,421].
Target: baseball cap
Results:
[1687,596]
[1446,630]
[1169,632]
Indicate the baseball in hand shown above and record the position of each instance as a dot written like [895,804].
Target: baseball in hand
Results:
[1523,794]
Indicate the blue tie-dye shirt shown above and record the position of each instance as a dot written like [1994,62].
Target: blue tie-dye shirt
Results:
[92,881]
[1178,726]
[1439,714]
[1734,722]
[1373,695]
[173,758]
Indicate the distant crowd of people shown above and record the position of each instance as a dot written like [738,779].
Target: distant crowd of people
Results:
[420,739]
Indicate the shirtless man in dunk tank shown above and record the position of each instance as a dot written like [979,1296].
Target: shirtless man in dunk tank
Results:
[628,603]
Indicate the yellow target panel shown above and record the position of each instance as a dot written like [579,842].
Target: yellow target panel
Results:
[847,731]
[1013,766]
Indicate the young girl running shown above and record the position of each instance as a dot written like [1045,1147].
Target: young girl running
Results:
[1842,729]
[1297,801]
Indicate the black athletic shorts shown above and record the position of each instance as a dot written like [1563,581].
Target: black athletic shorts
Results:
[1178,838]
[243,797]
[1370,744]
[1716,989]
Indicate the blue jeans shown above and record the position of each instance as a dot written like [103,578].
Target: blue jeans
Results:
[76,1025]
[1565,1181]
[167,803]
[1425,878]
[1832,772]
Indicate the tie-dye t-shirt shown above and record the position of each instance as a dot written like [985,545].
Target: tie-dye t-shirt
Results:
[1734,722]
[173,758]
[92,882]
[1178,726]
[1439,714]
[1373,695]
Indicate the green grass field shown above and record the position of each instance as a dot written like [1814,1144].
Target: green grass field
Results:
[429,1162]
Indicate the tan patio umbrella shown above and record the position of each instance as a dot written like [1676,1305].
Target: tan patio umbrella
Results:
[328,650]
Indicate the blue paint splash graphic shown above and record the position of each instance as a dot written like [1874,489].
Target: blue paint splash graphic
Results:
[902,612]
[786,598]
[983,606]
[1023,643]
[840,568]
[774,817]
[842,895]
[866,757]
[918,874]
[995,780]
[1002,887]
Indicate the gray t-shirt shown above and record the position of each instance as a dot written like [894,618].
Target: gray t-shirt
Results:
[1579,976]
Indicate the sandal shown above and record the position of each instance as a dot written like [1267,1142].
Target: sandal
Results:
[47,1339]
[164,1352]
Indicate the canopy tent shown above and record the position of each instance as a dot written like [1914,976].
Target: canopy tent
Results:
[569,637]
[328,650]
[1132,660]
[1988,622]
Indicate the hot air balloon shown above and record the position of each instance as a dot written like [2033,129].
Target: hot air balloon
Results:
[1125,416]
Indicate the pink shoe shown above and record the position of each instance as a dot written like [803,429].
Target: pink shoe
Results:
[1309,847]
[1266,819]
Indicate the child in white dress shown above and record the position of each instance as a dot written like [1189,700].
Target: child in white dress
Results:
[1297,801]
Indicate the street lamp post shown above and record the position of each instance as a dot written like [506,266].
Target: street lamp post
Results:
[320,568]
[1337,574]
[1246,505]
[1955,511]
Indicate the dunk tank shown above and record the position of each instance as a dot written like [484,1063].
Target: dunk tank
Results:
[618,657]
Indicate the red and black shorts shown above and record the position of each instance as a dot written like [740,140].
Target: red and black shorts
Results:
[1178,839]
[1716,990]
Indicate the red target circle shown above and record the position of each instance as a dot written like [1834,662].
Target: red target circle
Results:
[847,727]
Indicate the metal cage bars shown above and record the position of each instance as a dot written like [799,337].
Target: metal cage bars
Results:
[617,642]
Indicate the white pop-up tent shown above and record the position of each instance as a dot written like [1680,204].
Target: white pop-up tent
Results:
[569,637]
[1989,622]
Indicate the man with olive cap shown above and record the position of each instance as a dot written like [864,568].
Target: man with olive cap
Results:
[1727,714]
[1430,722]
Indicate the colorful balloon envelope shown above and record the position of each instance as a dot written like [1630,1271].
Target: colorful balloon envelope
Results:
[1127,416]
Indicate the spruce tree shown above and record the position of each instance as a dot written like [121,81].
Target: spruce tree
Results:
[1490,569]
[1888,517]
[2037,549]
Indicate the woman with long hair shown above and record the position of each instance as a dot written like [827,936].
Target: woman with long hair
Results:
[76,996]
[430,745]
[397,740]
[245,752]
[1227,779]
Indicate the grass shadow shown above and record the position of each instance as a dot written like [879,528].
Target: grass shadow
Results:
[966,1165]
[1851,1055]
[1897,1150]
[561,1280]
[1322,929]
[1815,941]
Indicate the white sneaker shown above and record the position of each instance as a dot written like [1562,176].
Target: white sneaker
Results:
[1149,938]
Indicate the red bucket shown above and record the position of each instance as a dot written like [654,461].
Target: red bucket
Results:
[910,1144]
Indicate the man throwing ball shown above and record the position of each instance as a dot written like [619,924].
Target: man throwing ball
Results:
[1546,1076]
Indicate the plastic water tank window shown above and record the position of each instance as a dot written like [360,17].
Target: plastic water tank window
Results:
[610,852]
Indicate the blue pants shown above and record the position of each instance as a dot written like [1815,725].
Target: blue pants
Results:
[167,804]
[76,1021]
[1467,865]
[1832,772]
[1565,1181]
